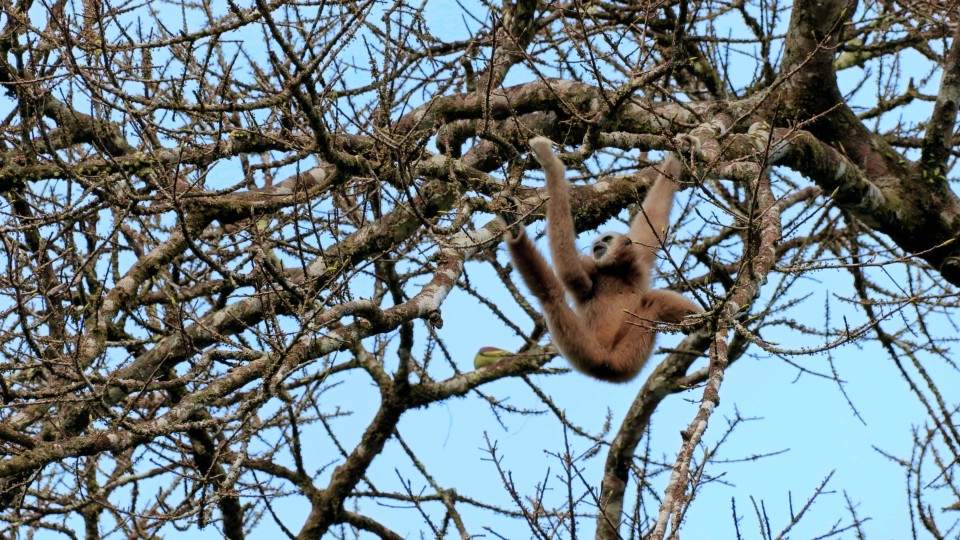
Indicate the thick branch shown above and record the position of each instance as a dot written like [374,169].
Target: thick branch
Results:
[937,140]
[660,384]
[920,220]
[759,262]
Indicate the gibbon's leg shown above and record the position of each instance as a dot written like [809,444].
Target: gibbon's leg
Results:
[634,344]
[651,223]
[630,354]
[670,306]
[636,339]
[560,230]
[580,347]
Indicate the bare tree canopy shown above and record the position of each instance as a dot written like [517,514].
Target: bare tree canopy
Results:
[232,234]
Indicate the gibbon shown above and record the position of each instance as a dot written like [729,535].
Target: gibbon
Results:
[608,334]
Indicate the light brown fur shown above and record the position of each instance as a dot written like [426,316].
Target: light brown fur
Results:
[607,334]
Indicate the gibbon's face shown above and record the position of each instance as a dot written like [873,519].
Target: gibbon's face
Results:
[609,248]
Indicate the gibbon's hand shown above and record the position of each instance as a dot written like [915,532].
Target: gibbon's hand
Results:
[512,217]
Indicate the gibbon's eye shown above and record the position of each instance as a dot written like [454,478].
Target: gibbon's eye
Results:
[606,239]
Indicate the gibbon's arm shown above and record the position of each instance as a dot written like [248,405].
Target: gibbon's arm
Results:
[536,273]
[651,223]
[560,231]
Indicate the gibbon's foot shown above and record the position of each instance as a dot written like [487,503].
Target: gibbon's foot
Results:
[693,322]
[512,217]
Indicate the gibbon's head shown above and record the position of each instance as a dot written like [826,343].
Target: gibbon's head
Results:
[612,249]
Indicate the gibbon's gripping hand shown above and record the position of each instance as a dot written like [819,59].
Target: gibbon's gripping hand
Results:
[512,218]
[542,150]
[672,167]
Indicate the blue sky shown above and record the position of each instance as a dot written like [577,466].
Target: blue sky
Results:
[803,419]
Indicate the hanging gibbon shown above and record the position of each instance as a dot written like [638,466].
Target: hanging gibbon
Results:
[608,334]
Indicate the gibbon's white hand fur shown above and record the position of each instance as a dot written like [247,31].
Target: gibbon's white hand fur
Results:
[608,333]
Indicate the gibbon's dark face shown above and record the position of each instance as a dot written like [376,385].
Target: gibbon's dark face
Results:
[608,248]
